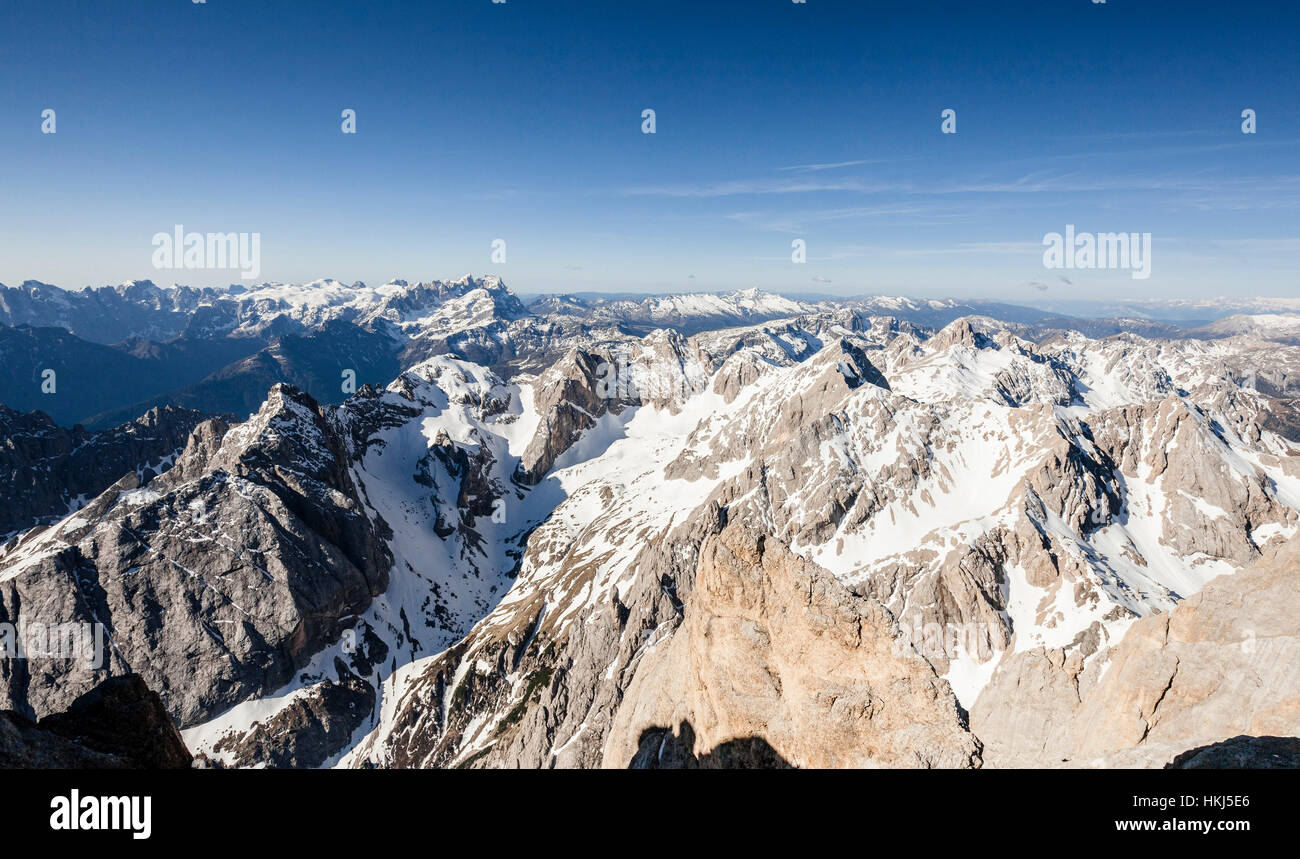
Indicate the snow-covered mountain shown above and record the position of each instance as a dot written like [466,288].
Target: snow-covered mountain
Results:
[1185,312]
[1282,327]
[687,313]
[141,308]
[612,533]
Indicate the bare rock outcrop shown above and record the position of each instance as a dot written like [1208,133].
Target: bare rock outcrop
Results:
[47,470]
[1242,752]
[120,724]
[1223,663]
[570,398]
[772,647]
[311,729]
[214,582]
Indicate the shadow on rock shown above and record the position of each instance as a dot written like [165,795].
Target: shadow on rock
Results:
[120,724]
[1245,753]
[662,749]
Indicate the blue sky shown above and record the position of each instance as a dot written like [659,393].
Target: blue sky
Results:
[775,121]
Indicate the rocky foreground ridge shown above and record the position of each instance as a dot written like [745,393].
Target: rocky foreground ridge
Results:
[119,724]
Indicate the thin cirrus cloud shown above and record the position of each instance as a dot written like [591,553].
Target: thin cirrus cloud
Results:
[974,248]
[836,165]
[1278,245]
[1028,184]
[1010,248]
[755,187]
[1032,183]
[794,222]
[1285,247]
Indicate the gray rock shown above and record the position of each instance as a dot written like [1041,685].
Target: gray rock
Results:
[214,582]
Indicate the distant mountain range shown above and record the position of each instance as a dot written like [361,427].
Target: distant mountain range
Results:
[117,351]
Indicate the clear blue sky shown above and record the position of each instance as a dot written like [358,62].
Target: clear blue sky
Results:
[776,121]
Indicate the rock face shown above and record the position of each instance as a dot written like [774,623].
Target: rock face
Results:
[47,471]
[214,582]
[1225,662]
[528,687]
[774,648]
[584,386]
[310,730]
[119,724]
[434,473]
[570,400]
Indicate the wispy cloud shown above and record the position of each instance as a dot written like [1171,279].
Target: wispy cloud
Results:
[1289,246]
[1140,135]
[975,248]
[806,168]
[1037,182]
[798,221]
[488,196]
[1008,248]
[755,187]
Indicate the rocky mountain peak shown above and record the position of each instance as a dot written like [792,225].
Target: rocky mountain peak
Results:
[959,332]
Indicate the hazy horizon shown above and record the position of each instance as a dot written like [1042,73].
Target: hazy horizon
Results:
[1081,306]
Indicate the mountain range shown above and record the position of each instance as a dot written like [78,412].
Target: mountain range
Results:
[433,525]
[117,351]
